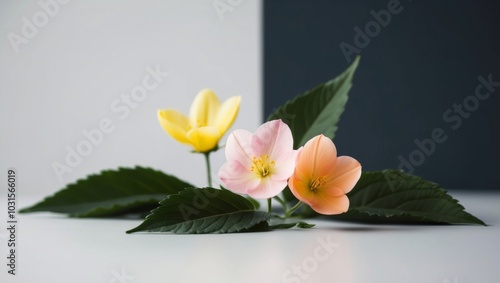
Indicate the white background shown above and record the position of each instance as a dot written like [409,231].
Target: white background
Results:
[66,77]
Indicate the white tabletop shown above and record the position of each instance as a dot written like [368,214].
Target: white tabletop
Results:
[54,248]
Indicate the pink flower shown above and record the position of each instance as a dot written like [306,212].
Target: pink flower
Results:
[259,164]
[321,179]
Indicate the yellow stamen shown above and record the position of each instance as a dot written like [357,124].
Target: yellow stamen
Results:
[262,166]
[316,184]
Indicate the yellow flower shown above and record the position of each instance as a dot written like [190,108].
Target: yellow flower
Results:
[208,121]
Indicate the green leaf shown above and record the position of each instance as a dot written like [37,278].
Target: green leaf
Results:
[255,203]
[207,210]
[392,196]
[286,224]
[317,111]
[112,192]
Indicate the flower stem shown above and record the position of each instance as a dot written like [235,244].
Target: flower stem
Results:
[269,200]
[291,211]
[207,160]
[282,202]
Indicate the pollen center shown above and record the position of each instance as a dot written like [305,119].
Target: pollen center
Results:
[316,184]
[262,166]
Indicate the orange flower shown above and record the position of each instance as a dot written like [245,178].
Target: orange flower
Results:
[321,179]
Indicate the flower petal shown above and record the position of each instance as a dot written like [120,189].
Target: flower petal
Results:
[267,188]
[237,177]
[203,139]
[333,191]
[346,174]
[204,109]
[227,114]
[285,166]
[299,186]
[238,147]
[175,124]
[318,157]
[331,205]
[273,138]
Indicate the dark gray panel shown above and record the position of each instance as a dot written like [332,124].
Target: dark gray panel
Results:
[413,72]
